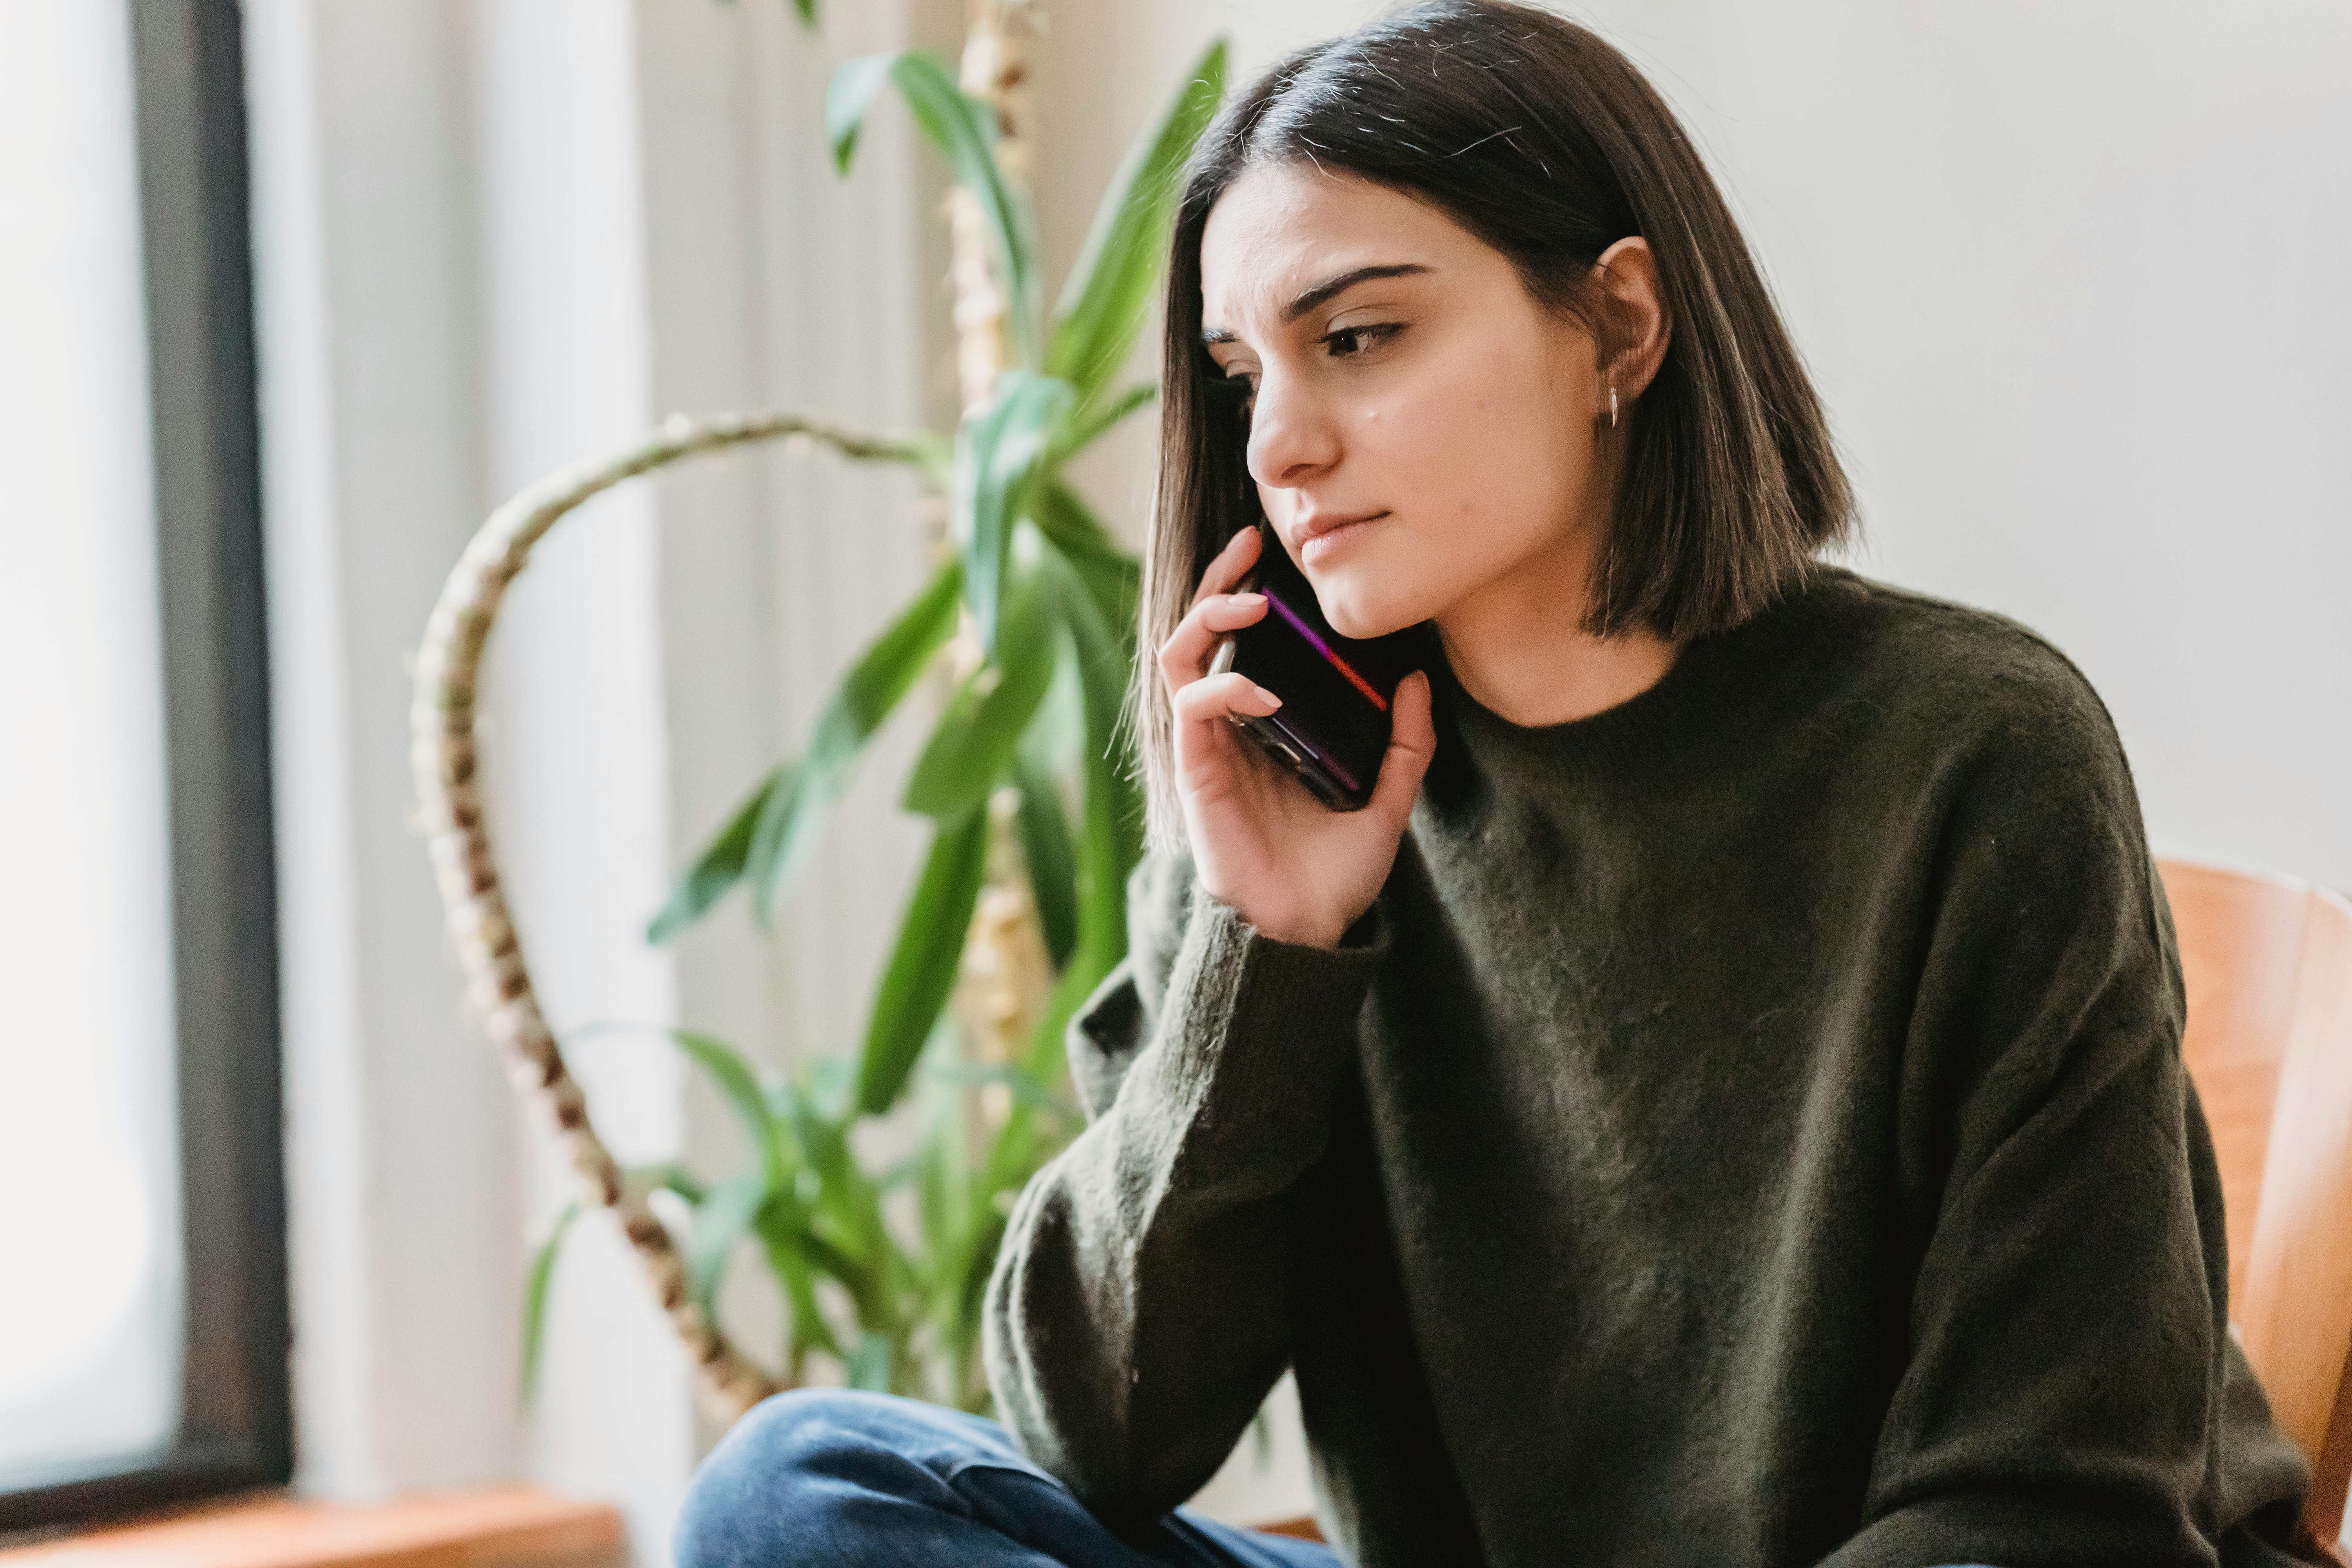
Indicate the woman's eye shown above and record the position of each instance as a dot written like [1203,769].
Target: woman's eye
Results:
[1349,341]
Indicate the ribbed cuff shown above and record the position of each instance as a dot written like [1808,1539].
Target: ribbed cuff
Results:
[1258,1032]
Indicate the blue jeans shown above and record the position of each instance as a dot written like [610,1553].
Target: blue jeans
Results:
[826,1479]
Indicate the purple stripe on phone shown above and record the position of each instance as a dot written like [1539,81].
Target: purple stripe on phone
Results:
[1319,646]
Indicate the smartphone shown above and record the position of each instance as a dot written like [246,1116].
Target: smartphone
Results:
[1332,728]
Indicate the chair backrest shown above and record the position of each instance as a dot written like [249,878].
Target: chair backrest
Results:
[2268,965]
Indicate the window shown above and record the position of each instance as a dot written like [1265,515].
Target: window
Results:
[143,1295]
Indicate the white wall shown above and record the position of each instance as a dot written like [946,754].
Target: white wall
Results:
[398,1140]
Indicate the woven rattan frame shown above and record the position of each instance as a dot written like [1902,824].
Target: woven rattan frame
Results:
[446,757]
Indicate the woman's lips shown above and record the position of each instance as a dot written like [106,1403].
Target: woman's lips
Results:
[1321,537]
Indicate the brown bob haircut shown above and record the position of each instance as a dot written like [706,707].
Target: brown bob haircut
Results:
[1546,144]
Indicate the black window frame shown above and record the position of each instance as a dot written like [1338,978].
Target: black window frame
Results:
[236,1427]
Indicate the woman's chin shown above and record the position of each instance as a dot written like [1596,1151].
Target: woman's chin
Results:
[1362,621]
[1359,601]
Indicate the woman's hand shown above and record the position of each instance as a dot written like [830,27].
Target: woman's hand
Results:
[1293,867]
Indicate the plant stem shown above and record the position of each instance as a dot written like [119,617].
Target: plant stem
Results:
[1006,974]
[444,754]
[994,70]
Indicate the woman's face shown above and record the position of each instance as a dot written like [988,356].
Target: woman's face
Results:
[1423,431]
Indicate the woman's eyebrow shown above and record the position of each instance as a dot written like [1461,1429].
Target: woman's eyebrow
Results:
[1330,288]
[1341,282]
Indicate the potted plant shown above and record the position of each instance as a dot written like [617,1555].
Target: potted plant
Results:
[1027,779]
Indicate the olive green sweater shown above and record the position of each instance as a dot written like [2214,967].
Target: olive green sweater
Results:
[1749,1130]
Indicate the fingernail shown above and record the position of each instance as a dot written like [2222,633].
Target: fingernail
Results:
[1247,601]
[1269,698]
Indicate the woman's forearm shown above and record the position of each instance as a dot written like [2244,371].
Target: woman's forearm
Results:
[1141,1306]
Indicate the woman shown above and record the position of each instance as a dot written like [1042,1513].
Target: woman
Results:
[1721,1102]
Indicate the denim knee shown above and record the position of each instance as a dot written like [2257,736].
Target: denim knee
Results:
[824,1467]
[763,1485]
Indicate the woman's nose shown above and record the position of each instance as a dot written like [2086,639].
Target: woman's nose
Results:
[1291,437]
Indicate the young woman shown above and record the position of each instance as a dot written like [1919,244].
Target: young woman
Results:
[1721,1103]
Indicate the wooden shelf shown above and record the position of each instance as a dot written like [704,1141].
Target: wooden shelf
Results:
[497,1527]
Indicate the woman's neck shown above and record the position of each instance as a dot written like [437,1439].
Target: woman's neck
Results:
[1518,648]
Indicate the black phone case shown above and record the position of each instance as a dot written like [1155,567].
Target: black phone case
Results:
[1332,728]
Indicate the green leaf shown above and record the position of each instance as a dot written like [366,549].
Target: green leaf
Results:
[737,1081]
[874,685]
[1021,1086]
[1097,417]
[1070,525]
[892,662]
[933,455]
[720,865]
[1106,656]
[854,1274]
[1113,578]
[975,737]
[1046,851]
[783,1237]
[827,1222]
[534,1299]
[766,836]
[668,1175]
[1001,452]
[1076,982]
[847,97]
[788,820]
[964,128]
[922,967]
[829,1089]
[868,1365]
[937,1192]
[834,1189]
[1015,1155]
[1109,289]
[1111,842]
[722,1219]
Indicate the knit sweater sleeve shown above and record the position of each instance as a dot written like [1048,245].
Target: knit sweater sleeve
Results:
[2066,1398]
[1142,1304]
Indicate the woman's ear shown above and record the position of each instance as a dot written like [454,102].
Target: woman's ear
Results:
[1627,274]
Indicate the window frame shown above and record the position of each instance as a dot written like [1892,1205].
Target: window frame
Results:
[236,1426]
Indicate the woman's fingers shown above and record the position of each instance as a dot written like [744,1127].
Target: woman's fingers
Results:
[1219,696]
[1238,557]
[1184,657]
[1413,740]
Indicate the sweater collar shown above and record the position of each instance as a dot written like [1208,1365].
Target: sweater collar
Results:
[1706,695]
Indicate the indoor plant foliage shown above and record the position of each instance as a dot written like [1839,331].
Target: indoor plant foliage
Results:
[1019,909]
